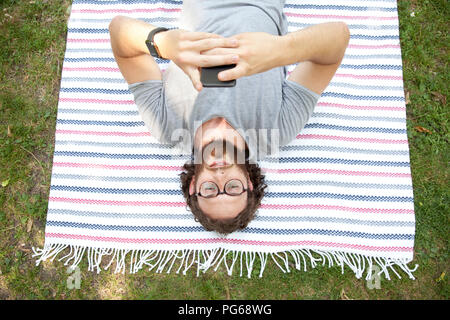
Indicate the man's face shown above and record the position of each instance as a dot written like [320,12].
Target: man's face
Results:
[221,162]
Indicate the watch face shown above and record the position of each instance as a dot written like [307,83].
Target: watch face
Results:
[151,48]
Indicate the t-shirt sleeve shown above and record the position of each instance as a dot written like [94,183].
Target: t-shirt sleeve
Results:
[296,108]
[149,99]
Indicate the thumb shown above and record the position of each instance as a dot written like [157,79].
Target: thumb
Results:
[232,74]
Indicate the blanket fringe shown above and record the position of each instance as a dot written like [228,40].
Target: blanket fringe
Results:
[160,260]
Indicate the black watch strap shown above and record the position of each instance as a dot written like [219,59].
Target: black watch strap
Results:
[151,44]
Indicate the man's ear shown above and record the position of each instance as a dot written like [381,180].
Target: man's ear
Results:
[250,184]
[192,186]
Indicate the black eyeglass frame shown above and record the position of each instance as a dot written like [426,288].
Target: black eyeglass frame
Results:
[198,194]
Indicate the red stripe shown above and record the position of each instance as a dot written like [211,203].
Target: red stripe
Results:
[113,167]
[124,10]
[329,16]
[90,69]
[299,136]
[337,208]
[341,172]
[80,100]
[350,139]
[105,133]
[88,40]
[172,168]
[355,107]
[368,76]
[228,241]
[263,206]
[119,203]
[371,46]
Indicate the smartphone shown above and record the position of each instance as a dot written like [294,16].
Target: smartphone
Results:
[209,76]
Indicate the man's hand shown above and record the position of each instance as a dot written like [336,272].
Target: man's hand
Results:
[317,50]
[257,51]
[185,49]
[128,37]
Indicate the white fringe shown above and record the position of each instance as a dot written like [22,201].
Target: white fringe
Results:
[161,260]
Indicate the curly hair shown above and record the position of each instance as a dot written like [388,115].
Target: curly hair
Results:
[225,226]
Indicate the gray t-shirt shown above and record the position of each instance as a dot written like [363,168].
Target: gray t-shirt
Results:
[266,109]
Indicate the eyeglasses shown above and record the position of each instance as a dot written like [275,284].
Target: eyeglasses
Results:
[209,189]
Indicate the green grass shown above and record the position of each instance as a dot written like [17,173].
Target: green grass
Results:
[32,42]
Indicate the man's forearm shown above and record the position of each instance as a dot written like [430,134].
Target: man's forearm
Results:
[128,36]
[322,44]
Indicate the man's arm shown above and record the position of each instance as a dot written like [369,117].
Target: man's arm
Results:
[130,51]
[318,50]
[183,47]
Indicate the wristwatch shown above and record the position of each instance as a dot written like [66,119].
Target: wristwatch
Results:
[151,44]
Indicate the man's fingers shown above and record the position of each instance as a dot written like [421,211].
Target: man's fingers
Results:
[232,74]
[220,51]
[215,60]
[211,43]
[194,36]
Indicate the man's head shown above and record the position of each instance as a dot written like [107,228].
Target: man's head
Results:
[222,189]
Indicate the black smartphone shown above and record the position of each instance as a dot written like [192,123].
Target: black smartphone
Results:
[209,76]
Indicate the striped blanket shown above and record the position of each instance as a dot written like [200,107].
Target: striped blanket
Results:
[339,194]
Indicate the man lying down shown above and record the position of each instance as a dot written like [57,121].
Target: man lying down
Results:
[227,129]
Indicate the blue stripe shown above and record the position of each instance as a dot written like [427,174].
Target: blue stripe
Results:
[337,196]
[166,216]
[122,156]
[353,36]
[102,112]
[369,37]
[133,124]
[324,94]
[335,220]
[269,182]
[335,233]
[102,80]
[284,148]
[130,124]
[89,59]
[350,26]
[96,90]
[338,184]
[115,144]
[343,149]
[339,7]
[358,97]
[116,190]
[268,194]
[116,179]
[371,66]
[365,87]
[354,129]
[354,118]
